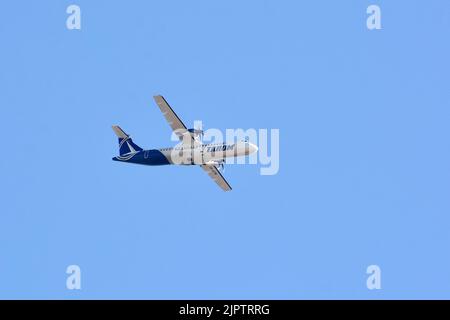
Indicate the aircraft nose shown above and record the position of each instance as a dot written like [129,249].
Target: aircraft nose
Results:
[253,148]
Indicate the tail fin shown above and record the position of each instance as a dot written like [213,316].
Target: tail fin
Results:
[126,145]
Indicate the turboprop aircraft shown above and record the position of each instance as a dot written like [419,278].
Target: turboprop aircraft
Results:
[190,151]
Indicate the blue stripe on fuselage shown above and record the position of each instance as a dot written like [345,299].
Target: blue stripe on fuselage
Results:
[146,157]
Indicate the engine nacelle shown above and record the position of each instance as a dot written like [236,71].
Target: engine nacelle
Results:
[218,164]
[196,132]
[212,163]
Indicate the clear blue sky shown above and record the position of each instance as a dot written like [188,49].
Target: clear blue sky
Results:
[364,149]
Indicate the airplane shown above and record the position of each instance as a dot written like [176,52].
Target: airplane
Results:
[191,150]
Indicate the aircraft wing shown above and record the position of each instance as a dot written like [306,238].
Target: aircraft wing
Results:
[215,174]
[174,121]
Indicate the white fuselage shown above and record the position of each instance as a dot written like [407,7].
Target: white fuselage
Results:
[214,153]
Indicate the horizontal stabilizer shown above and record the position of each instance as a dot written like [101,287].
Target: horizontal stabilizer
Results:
[119,132]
